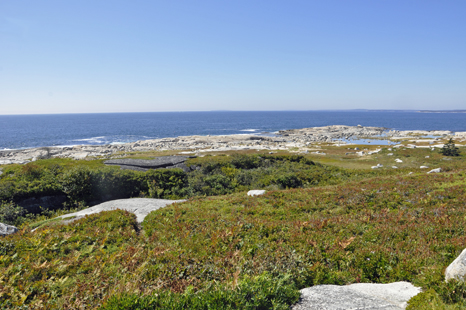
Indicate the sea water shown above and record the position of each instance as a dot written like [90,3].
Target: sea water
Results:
[26,131]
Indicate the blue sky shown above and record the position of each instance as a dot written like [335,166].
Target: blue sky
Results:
[136,56]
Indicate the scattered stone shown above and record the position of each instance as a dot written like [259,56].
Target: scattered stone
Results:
[427,156]
[392,296]
[6,229]
[256,192]
[457,269]
[436,170]
[423,167]
[410,173]
[398,160]
[390,154]
[394,167]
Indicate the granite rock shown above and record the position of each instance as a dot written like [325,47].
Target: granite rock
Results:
[139,206]
[256,192]
[457,269]
[6,229]
[392,296]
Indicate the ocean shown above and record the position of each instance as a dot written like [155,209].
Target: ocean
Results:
[27,131]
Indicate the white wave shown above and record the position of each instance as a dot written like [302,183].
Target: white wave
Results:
[249,130]
[93,139]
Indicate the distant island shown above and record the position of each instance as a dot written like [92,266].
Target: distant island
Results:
[442,111]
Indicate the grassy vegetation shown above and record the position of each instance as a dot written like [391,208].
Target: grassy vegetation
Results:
[86,184]
[317,224]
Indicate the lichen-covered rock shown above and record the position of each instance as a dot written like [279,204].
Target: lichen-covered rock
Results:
[7,229]
[457,269]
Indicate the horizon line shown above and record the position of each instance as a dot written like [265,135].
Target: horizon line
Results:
[207,111]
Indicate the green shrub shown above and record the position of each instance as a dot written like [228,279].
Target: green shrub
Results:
[76,184]
[449,149]
[11,214]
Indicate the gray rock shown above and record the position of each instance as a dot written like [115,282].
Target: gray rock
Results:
[392,296]
[139,206]
[436,170]
[6,229]
[423,167]
[146,164]
[457,269]
[256,192]
[35,204]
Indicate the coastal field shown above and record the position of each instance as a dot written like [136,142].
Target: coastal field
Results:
[330,215]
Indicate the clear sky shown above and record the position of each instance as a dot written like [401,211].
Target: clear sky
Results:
[82,56]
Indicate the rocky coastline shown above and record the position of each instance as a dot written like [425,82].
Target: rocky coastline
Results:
[283,140]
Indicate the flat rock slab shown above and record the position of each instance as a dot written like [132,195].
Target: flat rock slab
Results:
[367,296]
[156,163]
[139,206]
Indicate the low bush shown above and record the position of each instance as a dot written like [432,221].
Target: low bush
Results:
[259,292]
[11,214]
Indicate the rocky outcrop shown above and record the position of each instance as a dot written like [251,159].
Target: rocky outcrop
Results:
[165,162]
[139,206]
[6,230]
[35,204]
[457,269]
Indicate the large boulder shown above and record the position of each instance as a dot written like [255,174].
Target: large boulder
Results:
[457,269]
[7,229]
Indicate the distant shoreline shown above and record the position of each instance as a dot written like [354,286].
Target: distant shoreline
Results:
[302,139]
[445,111]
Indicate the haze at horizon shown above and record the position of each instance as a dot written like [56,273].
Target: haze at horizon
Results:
[151,56]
